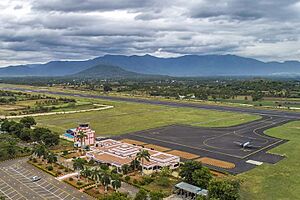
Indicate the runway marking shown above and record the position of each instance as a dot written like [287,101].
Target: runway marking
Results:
[218,152]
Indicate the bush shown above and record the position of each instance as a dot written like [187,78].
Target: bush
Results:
[163,181]
[60,167]
[135,181]
[66,170]
[50,168]
[79,183]
[156,195]
[141,195]
[147,180]
[127,178]
[34,160]
[71,179]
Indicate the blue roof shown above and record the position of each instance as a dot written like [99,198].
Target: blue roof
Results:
[191,188]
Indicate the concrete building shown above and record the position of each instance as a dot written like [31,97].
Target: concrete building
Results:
[116,153]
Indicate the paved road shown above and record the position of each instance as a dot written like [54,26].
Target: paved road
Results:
[284,114]
[16,184]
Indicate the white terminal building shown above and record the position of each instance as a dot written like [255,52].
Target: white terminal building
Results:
[117,153]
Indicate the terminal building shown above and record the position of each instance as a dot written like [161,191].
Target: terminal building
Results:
[117,153]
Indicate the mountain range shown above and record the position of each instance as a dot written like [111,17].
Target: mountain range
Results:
[133,66]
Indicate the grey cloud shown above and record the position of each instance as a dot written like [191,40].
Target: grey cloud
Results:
[88,5]
[78,29]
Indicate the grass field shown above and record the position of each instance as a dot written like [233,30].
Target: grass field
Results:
[128,117]
[282,180]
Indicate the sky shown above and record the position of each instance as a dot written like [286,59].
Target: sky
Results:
[37,31]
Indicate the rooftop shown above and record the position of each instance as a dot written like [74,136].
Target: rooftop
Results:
[191,188]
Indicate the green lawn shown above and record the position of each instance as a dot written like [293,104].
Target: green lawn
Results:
[282,180]
[128,117]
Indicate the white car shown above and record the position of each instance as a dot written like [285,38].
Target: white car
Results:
[35,178]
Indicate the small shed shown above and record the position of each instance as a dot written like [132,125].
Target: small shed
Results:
[189,191]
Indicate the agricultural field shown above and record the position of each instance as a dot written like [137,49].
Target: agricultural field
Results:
[279,181]
[23,103]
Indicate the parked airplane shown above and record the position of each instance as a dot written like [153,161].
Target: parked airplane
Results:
[247,144]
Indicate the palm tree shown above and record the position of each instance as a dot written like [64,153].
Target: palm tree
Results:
[81,136]
[40,151]
[135,164]
[86,172]
[125,169]
[51,158]
[96,175]
[105,179]
[78,164]
[116,182]
[142,156]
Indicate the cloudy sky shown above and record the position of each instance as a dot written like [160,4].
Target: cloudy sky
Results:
[34,31]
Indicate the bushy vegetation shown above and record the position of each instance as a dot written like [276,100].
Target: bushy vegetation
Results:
[23,131]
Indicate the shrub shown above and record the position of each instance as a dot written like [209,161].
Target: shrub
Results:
[34,160]
[127,178]
[79,183]
[71,179]
[147,180]
[50,168]
[163,181]
[135,181]
[66,170]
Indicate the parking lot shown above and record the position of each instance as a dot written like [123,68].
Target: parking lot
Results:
[16,183]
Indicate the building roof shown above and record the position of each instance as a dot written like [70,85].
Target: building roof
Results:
[191,188]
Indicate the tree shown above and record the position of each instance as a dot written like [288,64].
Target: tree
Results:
[156,195]
[50,139]
[28,122]
[201,177]
[135,164]
[40,150]
[107,88]
[16,128]
[96,175]
[141,195]
[51,158]
[86,172]
[187,169]
[142,156]
[125,169]
[78,164]
[81,137]
[116,182]
[105,179]
[26,134]
[224,189]
[11,149]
